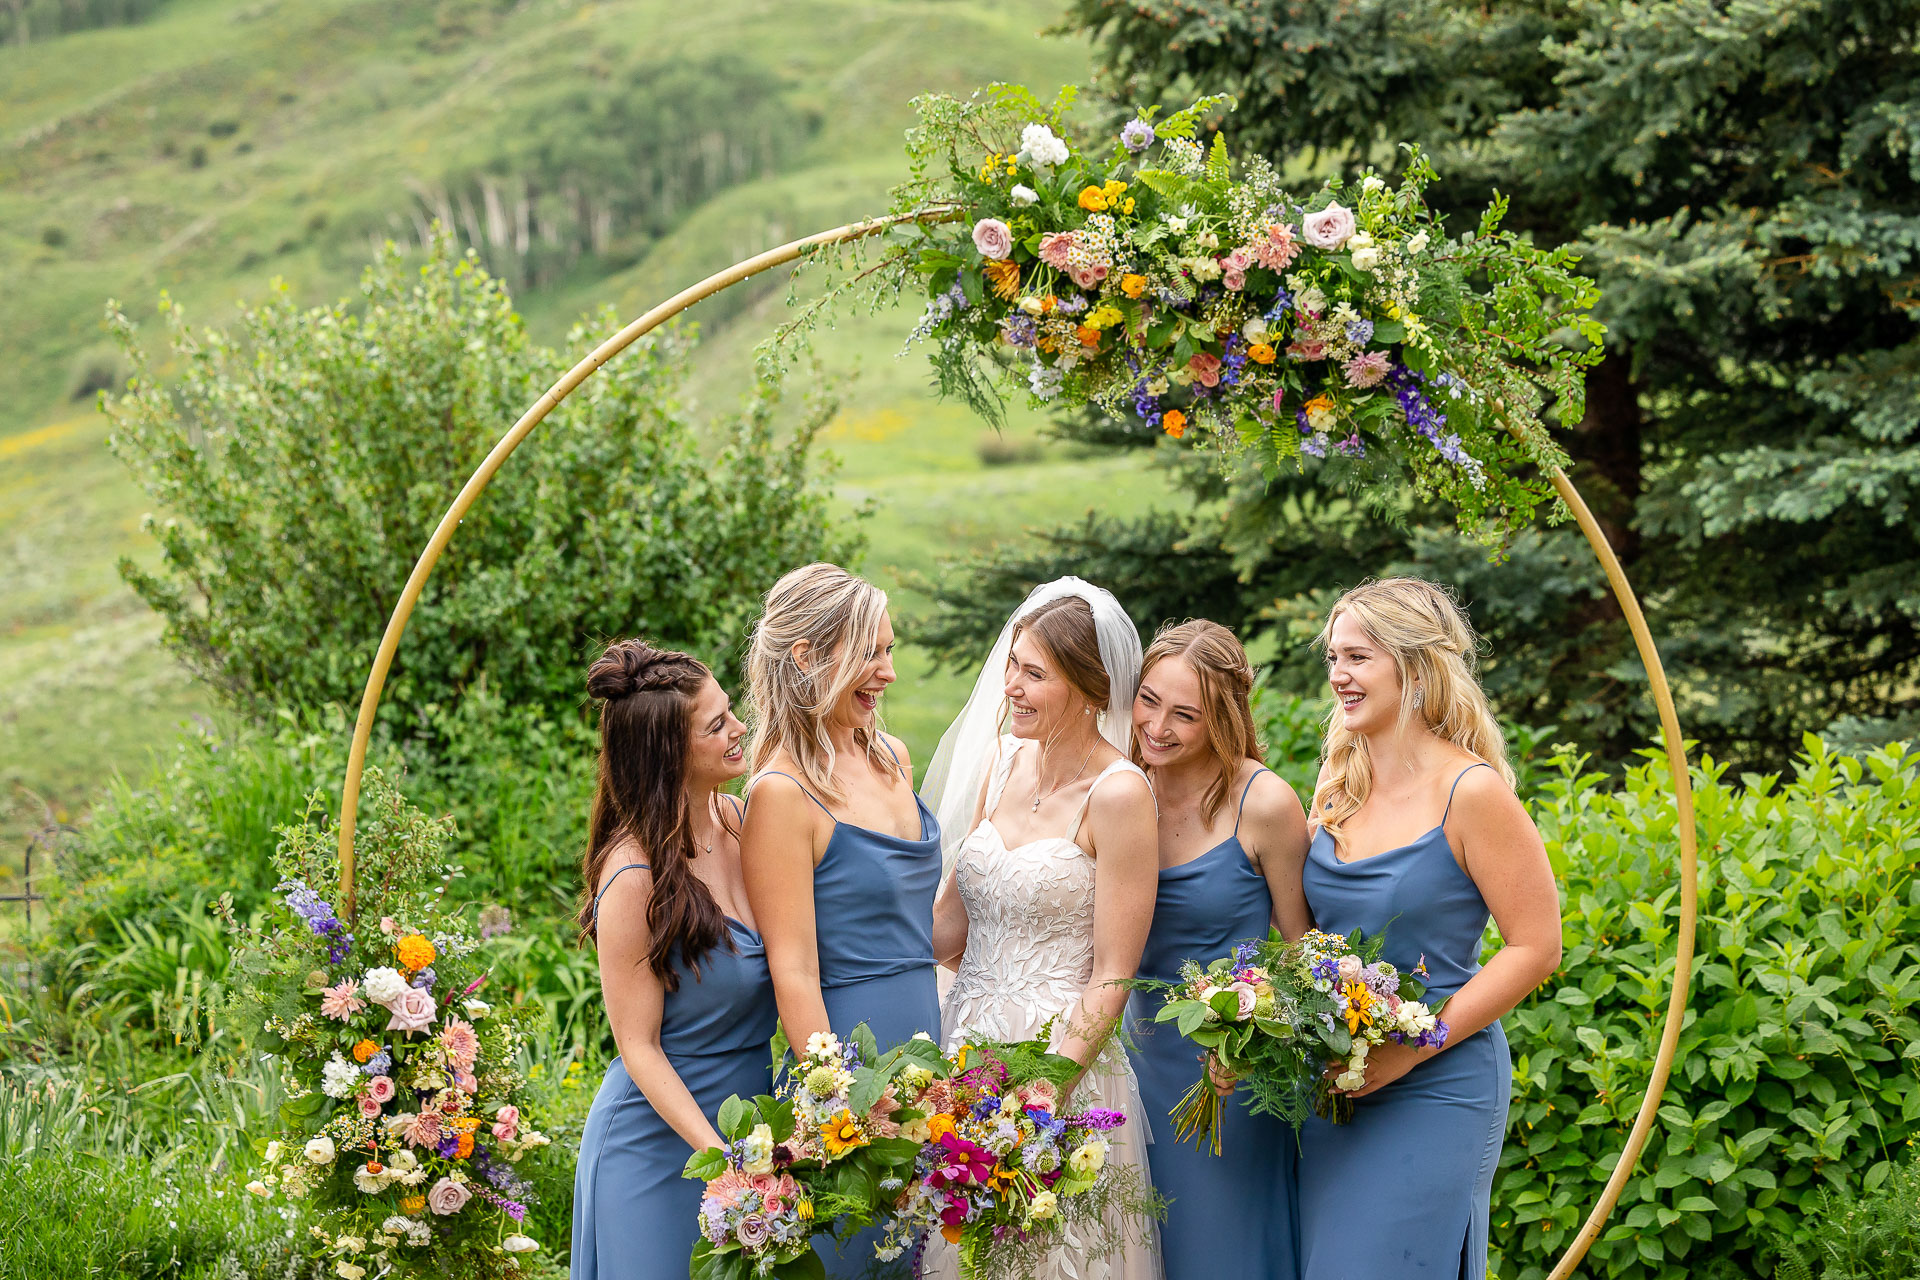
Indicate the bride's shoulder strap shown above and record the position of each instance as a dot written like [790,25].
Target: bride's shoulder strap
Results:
[1005,750]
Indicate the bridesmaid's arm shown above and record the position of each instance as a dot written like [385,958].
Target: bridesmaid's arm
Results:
[778,851]
[1125,838]
[1277,826]
[1507,862]
[636,998]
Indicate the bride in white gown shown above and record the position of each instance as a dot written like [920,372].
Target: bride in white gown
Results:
[1052,884]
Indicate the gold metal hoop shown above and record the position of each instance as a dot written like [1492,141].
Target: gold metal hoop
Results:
[1616,578]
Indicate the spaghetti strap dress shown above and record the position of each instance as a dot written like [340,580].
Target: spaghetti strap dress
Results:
[873,925]
[1230,1215]
[1421,1153]
[634,1216]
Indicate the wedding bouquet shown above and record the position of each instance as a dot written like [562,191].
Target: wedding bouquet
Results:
[1275,1013]
[827,1153]
[401,1133]
[1006,1169]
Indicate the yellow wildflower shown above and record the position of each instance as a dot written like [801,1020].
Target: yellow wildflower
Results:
[1113,191]
[1104,316]
[991,167]
[1004,278]
[842,1134]
[1359,1007]
[1094,200]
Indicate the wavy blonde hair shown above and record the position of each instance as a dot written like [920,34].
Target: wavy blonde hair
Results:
[838,616]
[1425,632]
[1226,689]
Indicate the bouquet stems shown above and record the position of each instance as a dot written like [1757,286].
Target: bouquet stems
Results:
[1200,1113]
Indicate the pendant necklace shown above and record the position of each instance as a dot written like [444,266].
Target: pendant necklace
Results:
[1037,797]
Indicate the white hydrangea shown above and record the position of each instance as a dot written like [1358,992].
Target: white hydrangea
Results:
[1039,145]
[339,1077]
[383,985]
[1023,195]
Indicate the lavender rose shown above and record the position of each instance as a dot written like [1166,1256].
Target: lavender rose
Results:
[1247,996]
[413,1010]
[447,1197]
[754,1230]
[1328,229]
[993,238]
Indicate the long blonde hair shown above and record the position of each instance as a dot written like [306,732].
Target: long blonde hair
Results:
[1427,635]
[1226,687]
[838,615]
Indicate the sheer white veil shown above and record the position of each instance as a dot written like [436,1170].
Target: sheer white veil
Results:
[971,745]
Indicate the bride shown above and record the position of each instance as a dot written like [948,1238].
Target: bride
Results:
[1052,885]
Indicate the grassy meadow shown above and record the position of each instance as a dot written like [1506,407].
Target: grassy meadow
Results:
[223,145]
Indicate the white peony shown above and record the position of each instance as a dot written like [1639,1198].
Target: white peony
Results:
[1039,146]
[1022,194]
[339,1078]
[519,1244]
[320,1150]
[383,986]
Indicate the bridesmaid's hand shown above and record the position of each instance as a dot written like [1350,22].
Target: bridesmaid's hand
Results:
[1224,1081]
[1385,1064]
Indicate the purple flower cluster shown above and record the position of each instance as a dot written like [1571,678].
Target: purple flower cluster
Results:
[1282,303]
[1099,1119]
[1360,332]
[512,1208]
[1020,331]
[318,914]
[1434,1038]
[425,979]
[1233,361]
[379,1064]
[1409,390]
[1247,952]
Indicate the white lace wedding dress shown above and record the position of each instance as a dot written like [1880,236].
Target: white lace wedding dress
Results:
[1028,959]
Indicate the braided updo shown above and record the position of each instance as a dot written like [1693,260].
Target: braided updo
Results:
[1226,688]
[646,698]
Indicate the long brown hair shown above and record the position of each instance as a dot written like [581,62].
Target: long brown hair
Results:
[1226,689]
[646,724]
[1066,630]
[1431,643]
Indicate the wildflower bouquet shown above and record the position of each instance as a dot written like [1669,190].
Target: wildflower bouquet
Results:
[1007,1171]
[1154,278]
[401,1137]
[826,1154]
[1274,1013]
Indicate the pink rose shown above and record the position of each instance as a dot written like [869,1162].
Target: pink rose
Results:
[369,1105]
[1350,968]
[1247,997]
[413,1010]
[1088,278]
[993,239]
[447,1196]
[464,1081]
[1328,229]
[506,1123]
[1205,369]
[380,1089]
[1054,248]
[1234,280]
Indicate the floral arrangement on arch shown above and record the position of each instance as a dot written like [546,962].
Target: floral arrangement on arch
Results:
[402,1136]
[1155,279]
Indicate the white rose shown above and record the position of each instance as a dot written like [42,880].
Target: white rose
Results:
[477,1009]
[320,1150]
[272,1155]
[383,985]
[1032,305]
[1418,244]
[1022,194]
[1366,259]
[519,1244]
[1373,182]
[259,1188]
[1255,330]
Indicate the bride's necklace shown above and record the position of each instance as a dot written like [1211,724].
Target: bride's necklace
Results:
[1037,797]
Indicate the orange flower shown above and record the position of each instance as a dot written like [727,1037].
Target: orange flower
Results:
[1174,423]
[951,1233]
[1094,200]
[374,1166]
[1005,279]
[1047,304]
[415,952]
[1133,286]
[1261,353]
[364,1050]
[1088,337]
[412,1204]
[939,1125]
[465,1147]
[1047,342]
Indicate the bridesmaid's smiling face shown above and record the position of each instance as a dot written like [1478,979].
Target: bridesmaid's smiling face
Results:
[1168,721]
[1037,694]
[716,750]
[859,706]
[1363,677]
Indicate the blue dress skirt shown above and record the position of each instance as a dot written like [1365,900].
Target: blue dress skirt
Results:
[634,1216]
[1416,1163]
[1230,1215]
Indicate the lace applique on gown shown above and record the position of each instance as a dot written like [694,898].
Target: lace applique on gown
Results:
[1029,957]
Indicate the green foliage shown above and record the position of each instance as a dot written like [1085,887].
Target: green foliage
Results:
[1753,223]
[1863,1237]
[1799,1061]
[304,457]
[27,21]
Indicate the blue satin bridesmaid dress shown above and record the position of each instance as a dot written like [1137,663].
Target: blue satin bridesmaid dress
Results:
[873,927]
[634,1216]
[1230,1215]
[1403,1190]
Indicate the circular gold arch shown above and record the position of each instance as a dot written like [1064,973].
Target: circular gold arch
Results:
[1610,563]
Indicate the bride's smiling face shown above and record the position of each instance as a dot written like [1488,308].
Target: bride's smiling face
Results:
[1038,695]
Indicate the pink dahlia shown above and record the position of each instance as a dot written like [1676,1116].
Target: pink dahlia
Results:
[1367,369]
[1055,248]
[424,1130]
[341,1002]
[460,1042]
[1278,250]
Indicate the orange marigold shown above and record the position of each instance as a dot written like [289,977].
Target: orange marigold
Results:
[1004,277]
[1047,304]
[1133,286]
[1261,353]
[1094,200]
[1088,337]
[364,1050]
[465,1147]
[415,952]
[1174,423]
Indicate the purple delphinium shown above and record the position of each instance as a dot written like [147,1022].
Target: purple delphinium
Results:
[1099,1119]
[988,1105]
[1282,303]
[318,914]
[1314,446]
[1360,332]
[379,1064]
[1136,135]
[1246,952]
[1409,391]
[512,1208]
[1233,361]
[449,1146]
[1020,331]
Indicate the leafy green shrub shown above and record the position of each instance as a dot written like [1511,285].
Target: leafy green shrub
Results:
[1799,1064]
[304,456]
[1858,1237]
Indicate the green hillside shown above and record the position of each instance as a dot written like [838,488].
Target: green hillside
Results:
[593,153]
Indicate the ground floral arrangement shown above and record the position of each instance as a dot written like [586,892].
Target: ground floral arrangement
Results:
[1155,279]
[401,1139]
[1274,1013]
[976,1147]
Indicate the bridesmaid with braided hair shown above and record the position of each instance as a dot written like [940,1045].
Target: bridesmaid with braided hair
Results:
[683,971]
